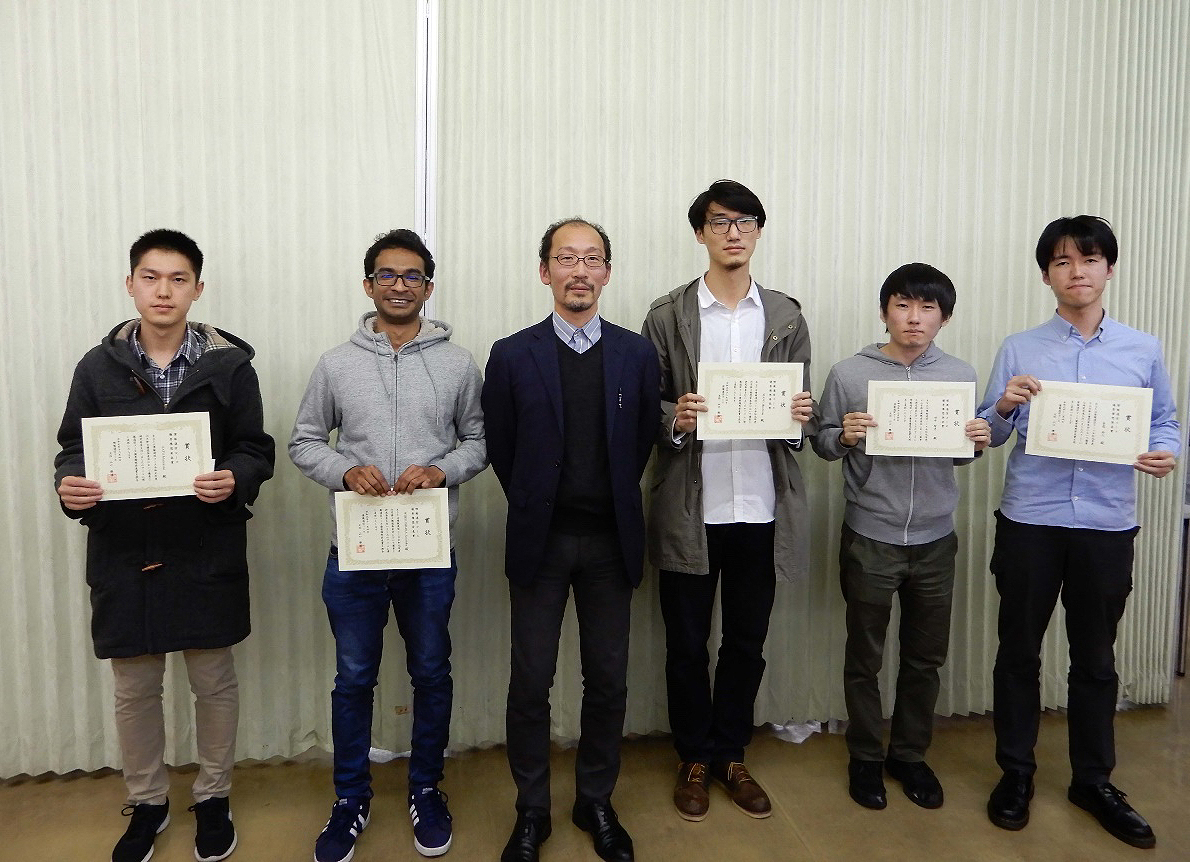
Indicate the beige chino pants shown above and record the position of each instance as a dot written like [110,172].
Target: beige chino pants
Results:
[140,722]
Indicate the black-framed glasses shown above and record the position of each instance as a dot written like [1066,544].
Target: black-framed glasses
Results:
[388,277]
[744,224]
[569,261]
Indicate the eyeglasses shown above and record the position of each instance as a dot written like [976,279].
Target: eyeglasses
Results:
[569,261]
[387,278]
[744,224]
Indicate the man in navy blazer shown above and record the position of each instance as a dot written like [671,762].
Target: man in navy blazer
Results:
[571,406]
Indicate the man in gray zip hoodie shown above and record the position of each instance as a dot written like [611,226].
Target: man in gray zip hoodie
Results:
[897,538]
[405,402]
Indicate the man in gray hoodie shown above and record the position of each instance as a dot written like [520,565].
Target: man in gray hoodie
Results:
[897,538]
[405,402]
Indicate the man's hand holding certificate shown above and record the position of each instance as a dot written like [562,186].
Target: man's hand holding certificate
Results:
[393,531]
[1093,422]
[138,457]
[1087,422]
[746,401]
[918,418]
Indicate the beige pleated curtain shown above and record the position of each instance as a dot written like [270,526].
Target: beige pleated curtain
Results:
[284,136]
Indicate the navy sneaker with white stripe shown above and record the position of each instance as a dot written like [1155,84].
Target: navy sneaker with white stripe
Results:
[348,818]
[431,821]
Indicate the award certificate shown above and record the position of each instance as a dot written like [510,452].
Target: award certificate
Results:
[1089,422]
[398,531]
[748,400]
[919,417]
[156,455]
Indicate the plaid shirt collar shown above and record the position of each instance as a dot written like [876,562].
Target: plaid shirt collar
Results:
[167,380]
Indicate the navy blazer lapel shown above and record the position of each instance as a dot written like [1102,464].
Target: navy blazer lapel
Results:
[613,371]
[545,354]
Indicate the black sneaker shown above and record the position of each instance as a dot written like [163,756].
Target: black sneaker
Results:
[215,838]
[148,821]
[348,818]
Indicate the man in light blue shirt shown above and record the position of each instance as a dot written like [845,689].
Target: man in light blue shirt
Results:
[1066,527]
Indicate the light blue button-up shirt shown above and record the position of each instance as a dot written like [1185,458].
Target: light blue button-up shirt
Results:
[580,339]
[1058,491]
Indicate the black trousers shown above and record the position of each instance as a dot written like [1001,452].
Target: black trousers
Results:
[1092,572]
[594,567]
[716,725]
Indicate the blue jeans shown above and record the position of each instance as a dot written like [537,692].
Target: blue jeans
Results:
[357,606]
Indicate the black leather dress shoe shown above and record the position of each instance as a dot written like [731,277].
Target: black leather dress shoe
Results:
[918,781]
[1115,815]
[1008,806]
[611,840]
[866,783]
[531,829]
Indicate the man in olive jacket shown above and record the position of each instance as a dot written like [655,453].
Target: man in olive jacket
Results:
[170,574]
[727,514]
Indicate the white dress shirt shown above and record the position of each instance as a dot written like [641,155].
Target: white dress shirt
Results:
[737,475]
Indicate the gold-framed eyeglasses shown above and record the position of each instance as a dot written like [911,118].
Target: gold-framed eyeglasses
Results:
[388,277]
[569,261]
[744,224]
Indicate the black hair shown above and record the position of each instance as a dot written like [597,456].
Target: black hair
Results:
[922,282]
[547,239]
[164,239]
[1090,234]
[729,194]
[400,238]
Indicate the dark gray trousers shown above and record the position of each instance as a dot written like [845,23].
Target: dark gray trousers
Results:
[922,576]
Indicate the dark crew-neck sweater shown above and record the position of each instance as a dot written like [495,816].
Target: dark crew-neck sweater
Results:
[584,504]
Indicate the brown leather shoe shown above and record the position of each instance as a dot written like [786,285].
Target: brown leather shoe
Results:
[690,793]
[747,795]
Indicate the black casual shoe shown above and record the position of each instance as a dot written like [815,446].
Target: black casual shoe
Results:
[349,816]
[531,829]
[215,837]
[917,780]
[1107,805]
[148,821]
[612,843]
[1008,806]
[866,783]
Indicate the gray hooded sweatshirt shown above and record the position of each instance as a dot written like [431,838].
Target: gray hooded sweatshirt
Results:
[417,405]
[898,501]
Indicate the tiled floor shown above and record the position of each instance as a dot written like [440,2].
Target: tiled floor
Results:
[280,808]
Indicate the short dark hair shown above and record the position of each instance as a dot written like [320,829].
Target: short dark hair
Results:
[1090,234]
[726,193]
[922,282]
[400,238]
[164,239]
[547,238]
